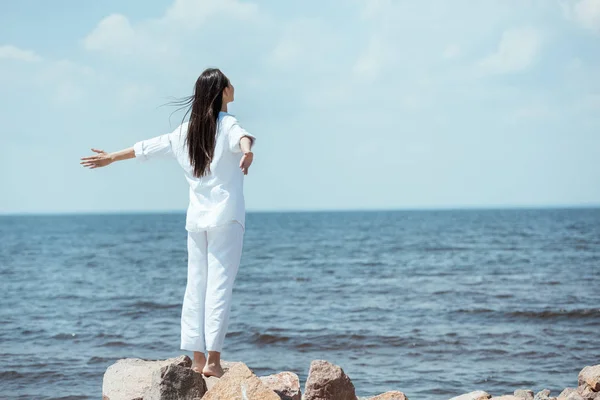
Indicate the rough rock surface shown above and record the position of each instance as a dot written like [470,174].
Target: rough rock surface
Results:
[506,397]
[392,395]
[286,384]
[524,394]
[239,383]
[135,378]
[565,393]
[590,375]
[476,395]
[543,395]
[327,381]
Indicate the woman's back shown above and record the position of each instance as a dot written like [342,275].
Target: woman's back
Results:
[217,197]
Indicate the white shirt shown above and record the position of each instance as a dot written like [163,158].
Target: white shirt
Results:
[216,198]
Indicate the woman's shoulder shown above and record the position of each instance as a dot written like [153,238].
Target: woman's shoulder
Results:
[223,115]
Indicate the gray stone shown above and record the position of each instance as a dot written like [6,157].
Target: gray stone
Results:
[238,383]
[391,395]
[476,395]
[286,384]
[137,379]
[524,394]
[590,375]
[327,381]
[565,393]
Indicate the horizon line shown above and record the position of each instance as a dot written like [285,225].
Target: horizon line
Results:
[318,210]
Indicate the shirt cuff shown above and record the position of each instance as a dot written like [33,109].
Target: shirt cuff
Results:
[139,151]
[251,137]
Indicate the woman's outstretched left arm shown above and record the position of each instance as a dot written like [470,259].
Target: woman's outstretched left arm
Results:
[102,159]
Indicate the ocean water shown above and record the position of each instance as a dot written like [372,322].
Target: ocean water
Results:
[432,303]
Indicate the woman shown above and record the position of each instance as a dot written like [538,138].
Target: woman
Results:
[215,154]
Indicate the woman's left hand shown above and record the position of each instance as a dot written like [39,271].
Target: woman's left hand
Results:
[246,161]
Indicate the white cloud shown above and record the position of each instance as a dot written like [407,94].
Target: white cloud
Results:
[193,13]
[69,81]
[370,63]
[585,12]
[160,37]
[531,112]
[451,51]
[15,53]
[374,8]
[303,43]
[517,51]
[133,93]
[113,33]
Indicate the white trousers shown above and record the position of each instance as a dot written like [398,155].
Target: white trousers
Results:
[213,261]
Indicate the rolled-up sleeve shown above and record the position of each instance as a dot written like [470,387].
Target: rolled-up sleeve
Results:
[236,132]
[159,146]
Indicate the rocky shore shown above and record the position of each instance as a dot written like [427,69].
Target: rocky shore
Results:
[173,379]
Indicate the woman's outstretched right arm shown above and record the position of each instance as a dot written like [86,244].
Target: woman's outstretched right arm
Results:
[102,159]
[158,146]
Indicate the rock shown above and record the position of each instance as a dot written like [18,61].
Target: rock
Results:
[574,396]
[584,389]
[506,397]
[392,395]
[524,394]
[591,376]
[327,381]
[286,384]
[176,381]
[226,365]
[135,378]
[591,396]
[543,395]
[565,393]
[239,383]
[476,395]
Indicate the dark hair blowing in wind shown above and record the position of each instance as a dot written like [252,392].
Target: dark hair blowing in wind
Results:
[204,106]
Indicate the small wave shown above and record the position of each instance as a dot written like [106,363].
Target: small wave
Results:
[115,344]
[442,248]
[474,310]
[108,335]
[64,336]
[11,375]
[153,305]
[100,360]
[561,313]
[266,338]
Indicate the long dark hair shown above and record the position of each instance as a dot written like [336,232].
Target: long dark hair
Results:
[204,106]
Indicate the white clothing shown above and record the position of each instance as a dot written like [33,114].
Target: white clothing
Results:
[217,198]
[213,262]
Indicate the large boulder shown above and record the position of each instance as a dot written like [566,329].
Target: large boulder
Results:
[239,382]
[590,375]
[565,393]
[286,384]
[476,395]
[544,395]
[327,381]
[137,379]
[392,395]
[506,397]
[524,394]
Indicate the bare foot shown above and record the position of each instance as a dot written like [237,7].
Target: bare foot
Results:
[212,370]
[198,362]
[197,368]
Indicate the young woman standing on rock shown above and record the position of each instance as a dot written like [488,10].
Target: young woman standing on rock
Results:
[215,154]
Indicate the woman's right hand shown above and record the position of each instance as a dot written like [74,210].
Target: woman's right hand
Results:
[101,160]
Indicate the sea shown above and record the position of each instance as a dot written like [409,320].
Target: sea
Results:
[434,303]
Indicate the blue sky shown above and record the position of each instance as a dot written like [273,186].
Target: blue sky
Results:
[359,104]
